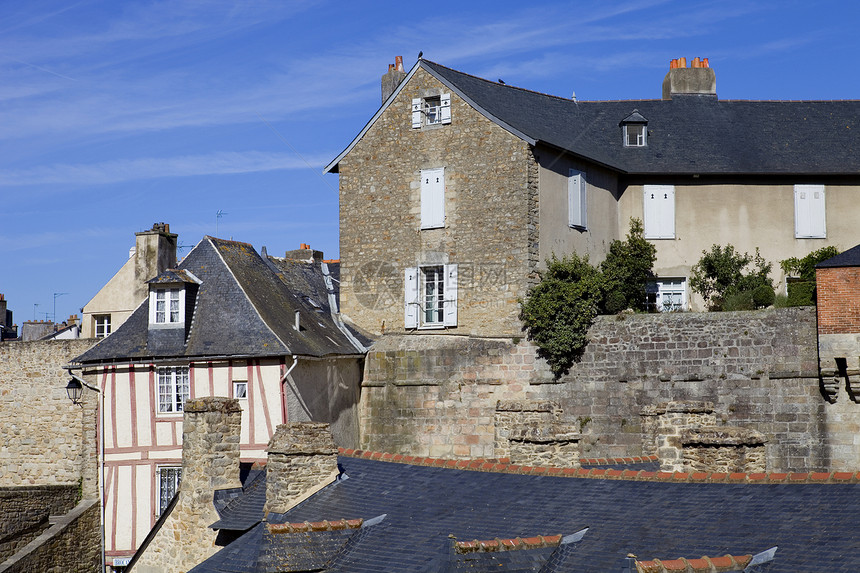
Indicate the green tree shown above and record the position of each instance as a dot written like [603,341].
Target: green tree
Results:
[626,270]
[720,277]
[802,292]
[558,311]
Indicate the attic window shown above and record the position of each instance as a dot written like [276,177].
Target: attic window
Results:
[635,128]
[431,110]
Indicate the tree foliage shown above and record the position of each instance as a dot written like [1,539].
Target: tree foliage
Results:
[626,270]
[721,278]
[559,310]
[802,292]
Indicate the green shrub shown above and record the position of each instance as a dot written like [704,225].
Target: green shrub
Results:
[626,269]
[558,311]
[721,279]
[802,292]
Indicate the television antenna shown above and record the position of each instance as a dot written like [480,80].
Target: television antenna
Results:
[220,213]
[56,294]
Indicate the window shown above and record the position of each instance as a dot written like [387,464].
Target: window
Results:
[166,306]
[431,296]
[809,214]
[240,389]
[576,199]
[432,110]
[172,388]
[169,479]
[635,135]
[102,325]
[433,198]
[659,211]
[666,295]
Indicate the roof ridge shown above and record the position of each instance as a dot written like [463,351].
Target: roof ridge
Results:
[704,564]
[308,526]
[511,544]
[631,475]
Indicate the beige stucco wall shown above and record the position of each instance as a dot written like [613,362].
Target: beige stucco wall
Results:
[747,215]
[602,222]
[489,176]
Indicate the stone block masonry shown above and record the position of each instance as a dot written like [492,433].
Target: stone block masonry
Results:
[44,438]
[436,396]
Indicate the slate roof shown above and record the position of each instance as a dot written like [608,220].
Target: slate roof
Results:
[245,306]
[428,509]
[849,258]
[689,134]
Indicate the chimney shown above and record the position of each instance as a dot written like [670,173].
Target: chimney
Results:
[302,461]
[154,253]
[698,79]
[305,254]
[392,78]
[210,462]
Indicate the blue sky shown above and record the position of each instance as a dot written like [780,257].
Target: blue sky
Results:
[117,115]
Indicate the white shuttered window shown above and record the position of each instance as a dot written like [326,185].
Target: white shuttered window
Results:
[577,205]
[809,214]
[433,198]
[659,211]
[430,296]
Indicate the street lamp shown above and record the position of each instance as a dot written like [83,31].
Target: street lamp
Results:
[75,390]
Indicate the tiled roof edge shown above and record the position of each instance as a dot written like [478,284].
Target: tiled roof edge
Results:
[632,475]
[307,526]
[514,544]
[704,564]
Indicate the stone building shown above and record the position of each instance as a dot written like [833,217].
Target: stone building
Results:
[228,322]
[458,188]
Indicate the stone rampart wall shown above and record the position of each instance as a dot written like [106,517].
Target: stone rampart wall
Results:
[436,396]
[41,431]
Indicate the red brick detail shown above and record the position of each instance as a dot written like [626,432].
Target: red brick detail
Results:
[837,302]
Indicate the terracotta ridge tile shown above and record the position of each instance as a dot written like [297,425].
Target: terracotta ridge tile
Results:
[703,564]
[308,526]
[512,544]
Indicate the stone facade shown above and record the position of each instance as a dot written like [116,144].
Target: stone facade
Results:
[210,461]
[663,424]
[491,210]
[723,449]
[44,438]
[302,460]
[436,396]
[531,433]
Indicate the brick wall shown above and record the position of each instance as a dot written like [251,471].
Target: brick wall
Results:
[436,396]
[491,208]
[42,434]
[838,300]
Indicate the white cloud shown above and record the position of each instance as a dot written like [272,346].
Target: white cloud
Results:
[219,163]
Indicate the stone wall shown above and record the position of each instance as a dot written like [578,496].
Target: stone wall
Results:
[436,396]
[44,438]
[724,449]
[72,544]
[491,215]
[24,513]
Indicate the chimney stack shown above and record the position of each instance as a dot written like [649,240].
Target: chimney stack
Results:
[392,78]
[302,461]
[698,79]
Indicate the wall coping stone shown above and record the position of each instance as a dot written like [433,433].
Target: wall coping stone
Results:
[538,433]
[212,404]
[722,436]
[504,466]
[678,408]
[302,438]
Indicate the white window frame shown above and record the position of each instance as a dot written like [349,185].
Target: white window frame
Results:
[171,477]
[433,198]
[431,110]
[577,199]
[167,306]
[416,313]
[101,325]
[810,214]
[240,389]
[641,137]
[659,211]
[668,294]
[173,388]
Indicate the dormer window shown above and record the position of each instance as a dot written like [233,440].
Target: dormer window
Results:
[635,130]
[171,298]
[167,305]
[431,110]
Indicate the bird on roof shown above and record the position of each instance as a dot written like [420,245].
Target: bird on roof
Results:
[420,54]
[501,81]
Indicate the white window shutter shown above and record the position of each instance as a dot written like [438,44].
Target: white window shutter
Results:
[809,212]
[659,211]
[433,198]
[445,111]
[416,113]
[577,206]
[450,318]
[410,287]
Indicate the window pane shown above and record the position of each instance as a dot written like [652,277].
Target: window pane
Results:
[165,390]
[181,387]
[174,305]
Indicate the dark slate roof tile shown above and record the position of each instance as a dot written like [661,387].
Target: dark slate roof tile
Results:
[687,134]
[849,258]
